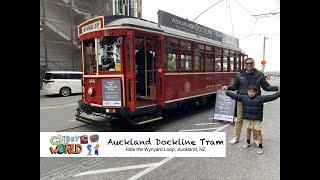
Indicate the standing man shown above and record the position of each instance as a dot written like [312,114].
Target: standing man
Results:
[245,78]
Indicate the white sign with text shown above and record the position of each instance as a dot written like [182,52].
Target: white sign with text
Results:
[132,144]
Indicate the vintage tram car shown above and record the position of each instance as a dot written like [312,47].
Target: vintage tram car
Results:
[134,69]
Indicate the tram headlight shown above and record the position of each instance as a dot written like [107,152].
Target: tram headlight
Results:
[110,110]
[91,91]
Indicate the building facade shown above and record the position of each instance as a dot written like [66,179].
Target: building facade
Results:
[59,49]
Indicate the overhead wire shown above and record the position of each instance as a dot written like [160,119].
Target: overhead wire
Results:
[207,10]
[228,6]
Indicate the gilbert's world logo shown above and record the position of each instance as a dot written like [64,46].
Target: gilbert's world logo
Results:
[65,145]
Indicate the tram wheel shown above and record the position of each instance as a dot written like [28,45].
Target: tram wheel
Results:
[65,91]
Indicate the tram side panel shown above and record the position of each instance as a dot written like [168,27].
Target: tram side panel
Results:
[94,83]
[185,86]
[170,87]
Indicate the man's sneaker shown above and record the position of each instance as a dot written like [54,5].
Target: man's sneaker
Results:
[246,145]
[234,141]
[260,151]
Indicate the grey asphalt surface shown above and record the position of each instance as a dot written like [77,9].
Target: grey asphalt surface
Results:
[239,163]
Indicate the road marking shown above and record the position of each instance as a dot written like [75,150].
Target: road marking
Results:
[200,124]
[150,166]
[72,120]
[54,98]
[197,129]
[53,107]
[210,119]
[116,169]
[164,161]
[222,127]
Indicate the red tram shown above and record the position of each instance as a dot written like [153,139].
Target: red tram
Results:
[134,69]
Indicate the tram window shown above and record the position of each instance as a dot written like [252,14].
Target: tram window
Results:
[89,55]
[236,64]
[172,42]
[109,55]
[208,48]
[218,50]
[171,60]
[233,61]
[225,64]
[200,47]
[186,61]
[217,63]
[138,42]
[186,45]
[239,63]
[226,52]
[237,68]
[231,64]
[198,62]
[209,63]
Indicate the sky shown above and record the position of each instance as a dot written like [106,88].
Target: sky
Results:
[249,30]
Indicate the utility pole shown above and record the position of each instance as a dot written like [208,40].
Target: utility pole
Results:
[264,46]
[263,62]
[44,35]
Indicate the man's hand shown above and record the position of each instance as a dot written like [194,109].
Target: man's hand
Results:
[224,87]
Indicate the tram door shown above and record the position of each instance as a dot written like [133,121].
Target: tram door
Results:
[146,57]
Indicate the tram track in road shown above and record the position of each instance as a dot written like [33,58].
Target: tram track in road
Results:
[97,123]
[84,125]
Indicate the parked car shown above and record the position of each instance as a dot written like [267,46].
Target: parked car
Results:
[62,82]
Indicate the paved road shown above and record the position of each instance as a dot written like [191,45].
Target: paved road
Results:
[238,164]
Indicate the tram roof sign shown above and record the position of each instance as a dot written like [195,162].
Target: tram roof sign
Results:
[178,23]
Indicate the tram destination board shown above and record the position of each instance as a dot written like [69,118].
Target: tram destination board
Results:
[224,107]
